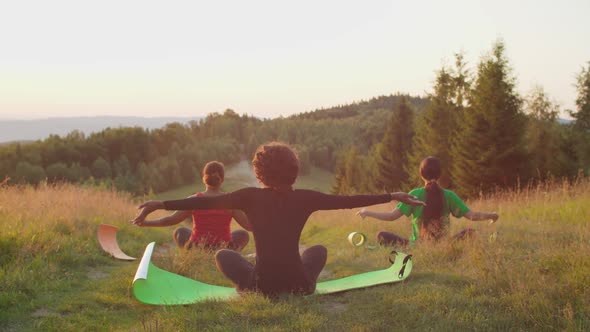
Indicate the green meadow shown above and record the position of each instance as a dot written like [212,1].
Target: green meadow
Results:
[535,275]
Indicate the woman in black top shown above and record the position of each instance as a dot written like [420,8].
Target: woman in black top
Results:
[277,214]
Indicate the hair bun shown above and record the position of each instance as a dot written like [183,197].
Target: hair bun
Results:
[213,173]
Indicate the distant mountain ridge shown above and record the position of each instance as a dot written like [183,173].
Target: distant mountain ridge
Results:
[28,130]
[35,129]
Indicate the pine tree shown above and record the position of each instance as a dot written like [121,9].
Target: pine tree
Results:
[435,128]
[582,115]
[489,151]
[394,149]
[338,182]
[348,177]
[582,120]
[542,135]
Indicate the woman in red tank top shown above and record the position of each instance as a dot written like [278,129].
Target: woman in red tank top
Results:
[211,228]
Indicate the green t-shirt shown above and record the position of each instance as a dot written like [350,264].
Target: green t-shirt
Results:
[452,204]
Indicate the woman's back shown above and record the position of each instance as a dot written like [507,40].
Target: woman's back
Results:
[431,221]
[277,219]
[451,204]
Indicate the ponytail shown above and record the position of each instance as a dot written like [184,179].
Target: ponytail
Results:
[430,170]
[434,203]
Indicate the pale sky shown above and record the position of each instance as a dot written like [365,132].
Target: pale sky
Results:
[268,58]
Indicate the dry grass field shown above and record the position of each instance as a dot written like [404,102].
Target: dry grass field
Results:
[534,276]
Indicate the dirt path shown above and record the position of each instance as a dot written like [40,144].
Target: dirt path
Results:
[241,174]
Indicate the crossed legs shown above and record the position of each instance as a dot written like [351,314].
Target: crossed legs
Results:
[241,272]
[239,238]
[390,239]
[236,268]
[314,260]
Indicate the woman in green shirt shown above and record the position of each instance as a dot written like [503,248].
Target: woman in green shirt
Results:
[432,221]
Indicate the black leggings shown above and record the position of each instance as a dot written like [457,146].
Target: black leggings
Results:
[239,239]
[241,272]
[390,239]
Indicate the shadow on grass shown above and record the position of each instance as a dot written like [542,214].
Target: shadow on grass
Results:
[450,280]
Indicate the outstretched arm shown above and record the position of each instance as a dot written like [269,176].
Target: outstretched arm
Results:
[319,201]
[235,200]
[386,216]
[170,220]
[241,218]
[478,216]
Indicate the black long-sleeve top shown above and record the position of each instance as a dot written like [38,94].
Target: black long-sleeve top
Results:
[277,219]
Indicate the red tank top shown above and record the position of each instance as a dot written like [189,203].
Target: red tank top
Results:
[211,226]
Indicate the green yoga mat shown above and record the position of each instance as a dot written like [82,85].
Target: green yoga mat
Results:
[153,285]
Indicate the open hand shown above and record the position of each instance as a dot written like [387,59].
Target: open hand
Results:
[146,208]
[362,213]
[494,217]
[407,198]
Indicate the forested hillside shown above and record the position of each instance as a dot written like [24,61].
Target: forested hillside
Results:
[140,160]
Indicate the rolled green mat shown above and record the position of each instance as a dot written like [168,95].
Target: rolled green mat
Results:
[357,239]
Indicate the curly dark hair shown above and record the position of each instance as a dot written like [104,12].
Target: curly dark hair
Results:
[276,165]
[213,173]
